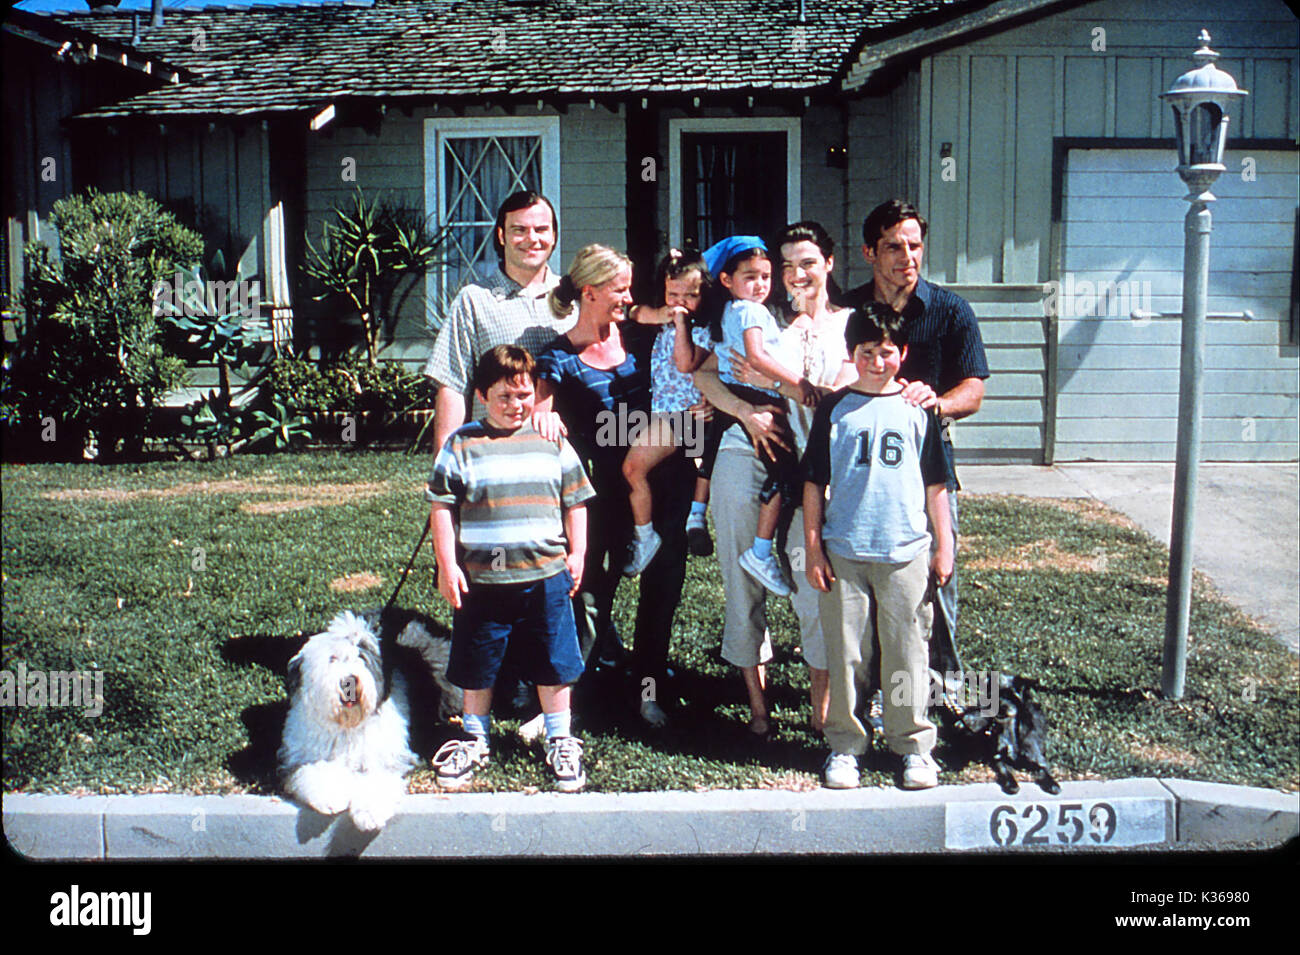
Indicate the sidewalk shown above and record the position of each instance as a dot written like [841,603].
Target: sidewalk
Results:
[1087,818]
[1247,534]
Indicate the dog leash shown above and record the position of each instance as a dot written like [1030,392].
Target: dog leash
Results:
[409,564]
[388,657]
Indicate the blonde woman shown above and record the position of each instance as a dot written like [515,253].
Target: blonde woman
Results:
[602,391]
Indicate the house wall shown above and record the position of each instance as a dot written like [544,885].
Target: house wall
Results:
[214,180]
[391,159]
[38,153]
[883,162]
[992,221]
[1002,103]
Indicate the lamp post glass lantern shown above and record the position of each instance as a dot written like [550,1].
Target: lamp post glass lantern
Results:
[1200,100]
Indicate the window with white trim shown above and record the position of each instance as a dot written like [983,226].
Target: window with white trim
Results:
[471,166]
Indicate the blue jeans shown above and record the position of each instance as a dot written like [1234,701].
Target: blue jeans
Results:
[535,619]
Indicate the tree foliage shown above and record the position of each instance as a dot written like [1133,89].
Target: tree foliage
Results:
[90,357]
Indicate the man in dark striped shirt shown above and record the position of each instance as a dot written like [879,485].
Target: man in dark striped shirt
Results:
[945,366]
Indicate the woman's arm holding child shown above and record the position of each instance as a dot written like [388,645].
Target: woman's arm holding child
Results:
[760,422]
[451,579]
[764,364]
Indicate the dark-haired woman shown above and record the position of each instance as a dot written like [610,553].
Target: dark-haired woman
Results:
[812,343]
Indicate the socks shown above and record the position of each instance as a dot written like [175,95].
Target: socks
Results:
[476,725]
[762,548]
[557,724]
[698,508]
[643,531]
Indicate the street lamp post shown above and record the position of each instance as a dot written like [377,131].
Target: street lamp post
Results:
[1199,98]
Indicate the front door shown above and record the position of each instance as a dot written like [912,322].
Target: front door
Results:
[734,184]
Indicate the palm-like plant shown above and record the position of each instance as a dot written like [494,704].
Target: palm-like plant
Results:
[365,253]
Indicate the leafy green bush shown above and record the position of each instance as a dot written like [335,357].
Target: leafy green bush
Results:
[89,359]
[349,385]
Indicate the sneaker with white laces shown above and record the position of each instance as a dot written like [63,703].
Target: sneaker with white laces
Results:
[564,756]
[768,572]
[841,771]
[920,771]
[698,541]
[456,759]
[641,553]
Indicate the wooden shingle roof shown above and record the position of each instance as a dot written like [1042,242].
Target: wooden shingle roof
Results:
[265,60]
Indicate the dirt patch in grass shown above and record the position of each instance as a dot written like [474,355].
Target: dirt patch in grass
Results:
[355,582]
[791,782]
[1096,511]
[291,497]
[1041,555]
[185,489]
[1159,753]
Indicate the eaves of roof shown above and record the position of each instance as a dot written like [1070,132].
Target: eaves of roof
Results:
[270,60]
[82,45]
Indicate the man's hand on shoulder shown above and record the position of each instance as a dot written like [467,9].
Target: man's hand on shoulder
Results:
[918,393]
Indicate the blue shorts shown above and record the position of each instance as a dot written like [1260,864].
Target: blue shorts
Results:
[536,617]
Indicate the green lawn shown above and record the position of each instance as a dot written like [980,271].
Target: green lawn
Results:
[182,583]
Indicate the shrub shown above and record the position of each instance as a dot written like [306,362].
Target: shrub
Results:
[364,257]
[89,361]
[349,385]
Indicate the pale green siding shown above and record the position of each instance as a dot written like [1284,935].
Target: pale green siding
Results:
[1094,72]
[1009,428]
[591,194]
[594,173]
[882,147]
[1118,376]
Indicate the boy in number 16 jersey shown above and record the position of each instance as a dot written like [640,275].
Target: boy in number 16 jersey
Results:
[883,462]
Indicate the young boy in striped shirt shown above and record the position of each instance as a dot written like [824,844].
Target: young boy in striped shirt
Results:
[511,506]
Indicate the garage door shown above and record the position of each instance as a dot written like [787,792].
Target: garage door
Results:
[1122,251]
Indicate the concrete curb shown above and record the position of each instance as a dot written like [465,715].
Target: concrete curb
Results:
[1127,813]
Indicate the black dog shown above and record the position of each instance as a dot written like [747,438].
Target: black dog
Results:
[1014,736]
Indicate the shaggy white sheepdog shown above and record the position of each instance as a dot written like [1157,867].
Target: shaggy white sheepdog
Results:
[343,748]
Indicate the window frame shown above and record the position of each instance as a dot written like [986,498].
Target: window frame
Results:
[790,125]
[438,130]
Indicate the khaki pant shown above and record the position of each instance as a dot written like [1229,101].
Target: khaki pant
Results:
[733,497]
[894,598]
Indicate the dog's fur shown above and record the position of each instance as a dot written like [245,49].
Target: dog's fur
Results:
[348,736]
[1013,737]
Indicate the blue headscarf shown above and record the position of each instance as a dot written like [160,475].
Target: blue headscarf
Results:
[716,255]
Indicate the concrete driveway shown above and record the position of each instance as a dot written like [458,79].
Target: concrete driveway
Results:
[1247,535]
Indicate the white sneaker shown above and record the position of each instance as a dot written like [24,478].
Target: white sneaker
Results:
[920,771]
[653,714]
[643,551]
[564,756]
[768,572]
[456,759]
[841,771]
